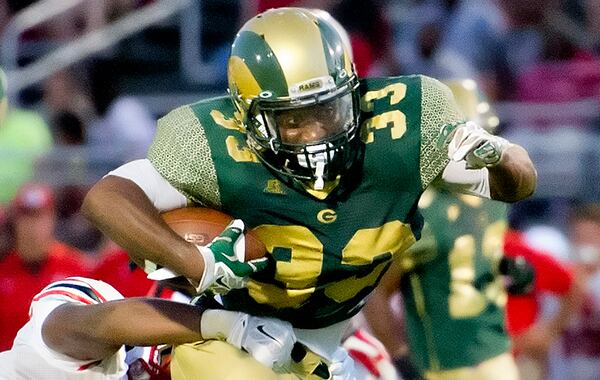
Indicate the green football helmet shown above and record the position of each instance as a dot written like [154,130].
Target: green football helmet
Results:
[295,89]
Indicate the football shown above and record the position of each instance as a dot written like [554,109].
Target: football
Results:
[200,225]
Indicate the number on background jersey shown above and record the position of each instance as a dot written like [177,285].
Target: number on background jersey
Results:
[466,301]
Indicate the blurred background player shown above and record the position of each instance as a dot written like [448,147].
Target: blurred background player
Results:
[533,330]
[452,292]
[581,339]
[35,259]
[24,136]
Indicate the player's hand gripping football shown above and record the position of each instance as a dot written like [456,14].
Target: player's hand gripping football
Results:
[473,144]
[224,265]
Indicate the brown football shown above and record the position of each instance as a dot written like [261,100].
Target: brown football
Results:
[200,225]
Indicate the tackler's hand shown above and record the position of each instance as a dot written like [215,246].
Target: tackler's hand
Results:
[268,340]
[342,365]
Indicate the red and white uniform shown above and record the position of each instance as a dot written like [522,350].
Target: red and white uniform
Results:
[30,358]
[371,359]
[551,276]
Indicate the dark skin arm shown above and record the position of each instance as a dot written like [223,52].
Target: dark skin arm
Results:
[90,332]
[515,177]
[120,209]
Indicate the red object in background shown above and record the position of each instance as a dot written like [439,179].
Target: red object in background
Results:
[114,269]
[550,276]
[560,81]
[363,54]
[264,5]
[19,283]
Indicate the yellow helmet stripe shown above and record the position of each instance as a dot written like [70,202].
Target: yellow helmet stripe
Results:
[251,53]
[245,81]
[292,57]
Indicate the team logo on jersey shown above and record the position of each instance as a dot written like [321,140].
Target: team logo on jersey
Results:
[274,187]
[326,216]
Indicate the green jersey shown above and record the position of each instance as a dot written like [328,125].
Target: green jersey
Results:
[454,296]
[328,254]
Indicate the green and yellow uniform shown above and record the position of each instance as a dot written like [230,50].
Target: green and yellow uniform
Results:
[454,296]
[328,254]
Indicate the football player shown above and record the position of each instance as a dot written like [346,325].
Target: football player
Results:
[327,169]
[78,328]
[450,280]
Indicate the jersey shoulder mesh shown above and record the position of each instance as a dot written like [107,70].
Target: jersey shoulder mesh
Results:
[438,109]
[182,155]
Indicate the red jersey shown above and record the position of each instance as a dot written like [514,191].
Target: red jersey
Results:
[114,269]
[264,5]
[550,276]
[20,282]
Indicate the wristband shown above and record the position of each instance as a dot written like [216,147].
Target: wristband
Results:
[208,276]
[218,324]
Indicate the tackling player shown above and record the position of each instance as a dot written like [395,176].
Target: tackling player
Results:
[78,328]
[327,169]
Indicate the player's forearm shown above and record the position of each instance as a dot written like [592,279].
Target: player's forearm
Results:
[515,177]
[162,321]
[120,209]
[90,332]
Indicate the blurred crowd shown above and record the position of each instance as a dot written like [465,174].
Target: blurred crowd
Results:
[59,136]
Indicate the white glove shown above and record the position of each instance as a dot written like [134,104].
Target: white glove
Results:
[268,340]
[342,365]
[473,144]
